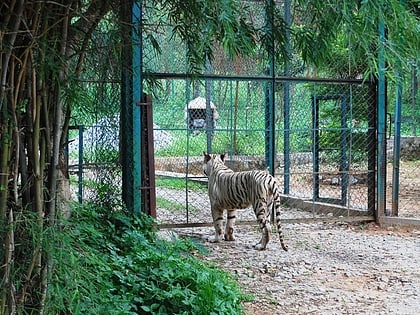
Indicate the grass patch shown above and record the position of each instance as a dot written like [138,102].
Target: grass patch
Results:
[174,206]
[179,184]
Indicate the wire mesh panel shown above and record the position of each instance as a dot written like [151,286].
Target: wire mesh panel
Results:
[237,126]
[326,158]
[93,151]
[403,148]
[97,148]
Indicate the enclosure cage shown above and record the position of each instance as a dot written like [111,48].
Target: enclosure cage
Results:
[314,129]
[315,135]
[198,117]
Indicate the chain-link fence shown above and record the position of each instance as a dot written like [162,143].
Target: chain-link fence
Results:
[93,148]
[317,136]
[322,135]
[403,148]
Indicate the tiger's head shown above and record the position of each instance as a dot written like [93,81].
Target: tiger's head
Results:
[210,160]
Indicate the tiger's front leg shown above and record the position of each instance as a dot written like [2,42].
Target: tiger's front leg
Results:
[231,216]
[218,223]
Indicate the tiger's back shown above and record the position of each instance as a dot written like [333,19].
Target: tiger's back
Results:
[240,190]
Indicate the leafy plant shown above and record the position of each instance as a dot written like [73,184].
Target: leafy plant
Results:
[113,263]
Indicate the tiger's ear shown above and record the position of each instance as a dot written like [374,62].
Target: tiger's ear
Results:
[222,156]
[207,157]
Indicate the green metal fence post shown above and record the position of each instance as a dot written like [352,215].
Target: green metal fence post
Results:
[137,97]
[130,124]
[269,99]
[286,87]
[381,132]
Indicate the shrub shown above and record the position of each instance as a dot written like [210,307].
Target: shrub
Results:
[113,263]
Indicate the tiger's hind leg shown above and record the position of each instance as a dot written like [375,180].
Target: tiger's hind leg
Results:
[231,216]
[265,237]
[261,212]
[218,224]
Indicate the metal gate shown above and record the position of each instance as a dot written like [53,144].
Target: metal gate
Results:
[323,160]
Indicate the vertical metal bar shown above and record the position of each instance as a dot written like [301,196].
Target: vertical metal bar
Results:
[187,99]
[315,147]
[80,166]
[209,116]
[270,102]
[414,100]
[148,186]
[136,110]
[272,128]
[266,122]
[343,148]
[371,146]
[231,123]
[397,146]
[381,150]
[286,87]
[126,115]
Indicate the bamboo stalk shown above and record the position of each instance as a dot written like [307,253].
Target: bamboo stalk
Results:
[36,110]
[55,157]
[5,147]
[9,50]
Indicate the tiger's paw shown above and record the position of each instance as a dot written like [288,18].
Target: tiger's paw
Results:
[229,237]
[259,246]
[213,239]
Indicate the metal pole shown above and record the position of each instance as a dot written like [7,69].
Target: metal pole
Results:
[209,115]
[270,153]
[397,142]
[344,163]
[414,100]
[136,110]
[286,87]
[397,147]
[187,99]
[381,132]
[315,147]
[126,115]
[371,146]
[80,167]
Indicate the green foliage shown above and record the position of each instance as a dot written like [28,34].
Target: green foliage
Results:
[200,23]
[108,262]
[178,184]
[344,34]
[172,183]
[247,142]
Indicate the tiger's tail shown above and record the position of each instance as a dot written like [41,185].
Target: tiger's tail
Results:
[277,206]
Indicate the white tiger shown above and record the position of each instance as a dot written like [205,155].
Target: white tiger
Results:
[229,190]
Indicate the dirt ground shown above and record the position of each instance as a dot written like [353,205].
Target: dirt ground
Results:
[330,268]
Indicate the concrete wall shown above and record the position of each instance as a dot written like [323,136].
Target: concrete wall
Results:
[410,148]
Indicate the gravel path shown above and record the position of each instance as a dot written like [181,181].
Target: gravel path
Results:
[330,268]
